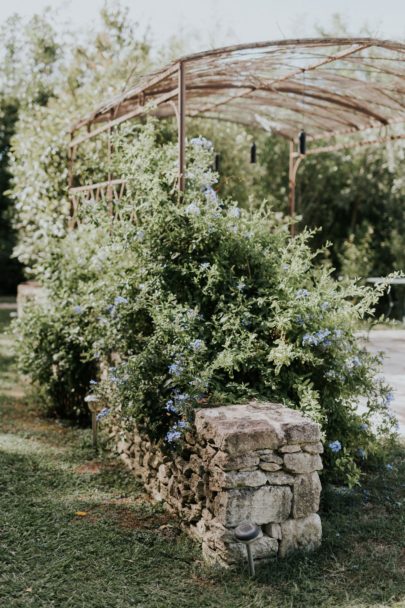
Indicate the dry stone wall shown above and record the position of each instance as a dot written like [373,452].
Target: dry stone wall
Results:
[256,462]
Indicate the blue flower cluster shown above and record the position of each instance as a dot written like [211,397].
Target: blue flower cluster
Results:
[175,369]
[321,337]
[301,293]
[120,300]
[335,446]
[234,212]
[174,433]
[78,310]
[202,142]
[197,344]
[211,194]
[104,412]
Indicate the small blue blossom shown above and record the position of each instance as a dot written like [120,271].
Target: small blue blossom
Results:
[285,266]
[170,407]
[353,362]
[234,212]
[337,333]
[202,142]
[361,453]
[389,398]
[175,369]
[182,424]
[197,344]
[182,397]
[205,265]
[241,286]
[301,293]
[140,235]
[111,309]
[193,209]
[104,412]
[93,382]
[211,194]
[78,310]
[120,300]
[363,426]
[172,436]
[335,446]
[389,467]
[142,286]
[325,305]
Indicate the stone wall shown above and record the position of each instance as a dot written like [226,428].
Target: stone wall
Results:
[256,462]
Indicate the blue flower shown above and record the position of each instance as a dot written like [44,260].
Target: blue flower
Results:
[335,446]
[361,453]
[210,193]
[111,309]
[93,382]
[202,142]
[170,407]
[389,397]
[193,209]
[205,265]
[353,362]
[140,234]
[172,436]
[104,412]
[175,369]
[120,300]
[320,337]
[78,310]
[197,344]
[182,424]
[301,293]
[325,305]
[389,467]
[363,426]
[241,286]
[182,397]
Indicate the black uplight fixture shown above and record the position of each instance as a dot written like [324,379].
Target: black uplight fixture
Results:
[302,142]
[217,162]
[253,153]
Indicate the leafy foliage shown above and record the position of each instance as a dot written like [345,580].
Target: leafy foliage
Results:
[196,302]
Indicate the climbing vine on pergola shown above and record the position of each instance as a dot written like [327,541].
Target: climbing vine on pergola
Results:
[343,91]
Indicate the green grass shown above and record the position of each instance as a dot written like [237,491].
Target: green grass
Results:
[128,552]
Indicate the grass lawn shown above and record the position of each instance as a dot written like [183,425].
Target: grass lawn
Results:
[124,551]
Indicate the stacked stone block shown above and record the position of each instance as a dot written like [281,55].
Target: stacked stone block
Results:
[256,462]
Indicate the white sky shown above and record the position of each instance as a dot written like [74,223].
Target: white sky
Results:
[210,23]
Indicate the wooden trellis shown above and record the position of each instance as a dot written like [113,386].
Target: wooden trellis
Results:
[350,89]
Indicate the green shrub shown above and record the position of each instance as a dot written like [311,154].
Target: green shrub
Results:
[194,302]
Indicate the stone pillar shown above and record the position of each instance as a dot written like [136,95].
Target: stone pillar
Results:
[256,462]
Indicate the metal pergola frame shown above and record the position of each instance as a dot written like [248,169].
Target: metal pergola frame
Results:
[331,87]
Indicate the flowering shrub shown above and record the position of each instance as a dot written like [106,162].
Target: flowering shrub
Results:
[194,302]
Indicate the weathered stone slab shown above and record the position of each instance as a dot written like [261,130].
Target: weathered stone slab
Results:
[261,506]
[236,479]
[302,462]
[305,533]
[270,466]
[273,530]
[306,495]
[313,448]
[288,449]
[233,463]
[238,429]
[280,478]
[271,458]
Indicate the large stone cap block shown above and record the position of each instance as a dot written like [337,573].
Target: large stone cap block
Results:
[237,429]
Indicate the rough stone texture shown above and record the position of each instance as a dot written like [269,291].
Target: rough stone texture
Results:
[253,462]
[305,533]
[306,495]
[302,463]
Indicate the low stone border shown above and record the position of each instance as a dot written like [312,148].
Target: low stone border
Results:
[256,462]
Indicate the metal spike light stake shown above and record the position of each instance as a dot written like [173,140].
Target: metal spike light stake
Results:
[247,533]
[253,153]
[217,162]
[302,140]
[91,401]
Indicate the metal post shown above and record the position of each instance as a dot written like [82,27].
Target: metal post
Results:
[251,562]
[182,126]
[94,428]
[294,163]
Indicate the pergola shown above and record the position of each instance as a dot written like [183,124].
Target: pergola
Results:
[343,91]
